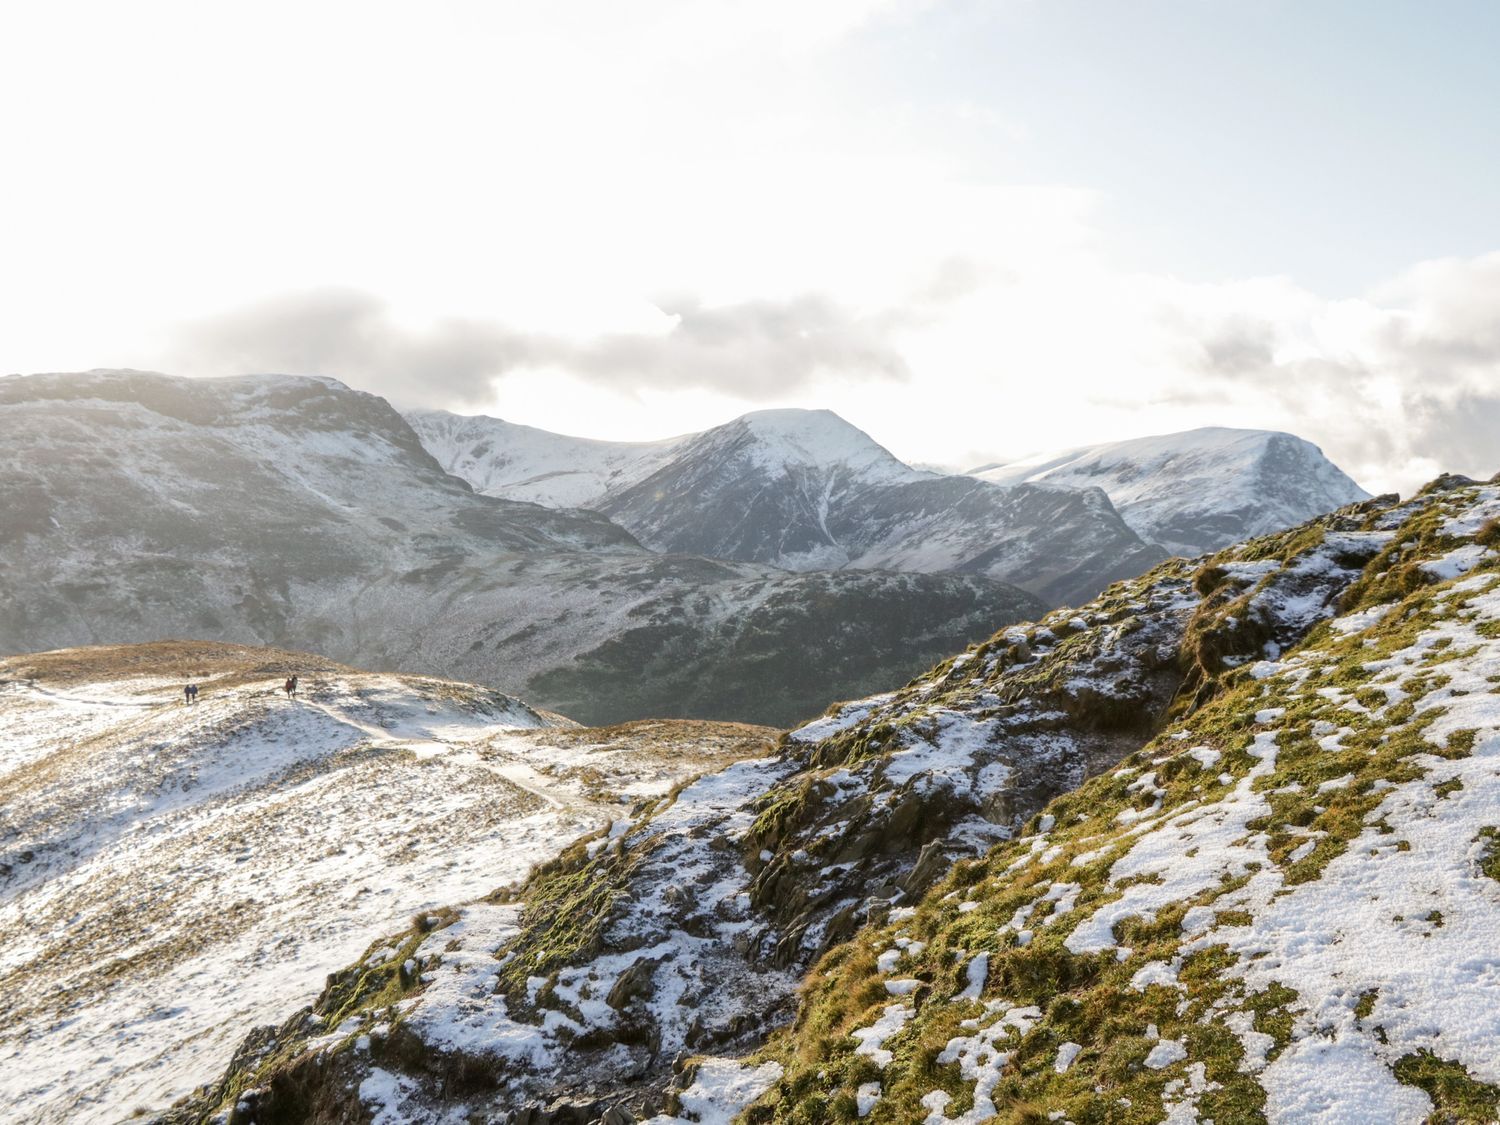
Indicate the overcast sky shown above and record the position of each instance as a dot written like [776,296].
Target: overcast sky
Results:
[975,229]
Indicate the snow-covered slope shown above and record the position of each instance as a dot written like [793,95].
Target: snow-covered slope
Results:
[803,490]
[170,875]
[1201,489]
[298,512]
[1082,869]
[518,462]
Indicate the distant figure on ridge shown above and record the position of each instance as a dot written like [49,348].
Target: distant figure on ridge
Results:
[190,693]
[291,687]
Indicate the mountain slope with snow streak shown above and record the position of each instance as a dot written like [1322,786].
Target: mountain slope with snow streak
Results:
[804,490]
[1198,490]
[690,929]
[170,874]
[299,512]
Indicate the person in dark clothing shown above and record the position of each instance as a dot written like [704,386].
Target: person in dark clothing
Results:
[192,693]
[187,693]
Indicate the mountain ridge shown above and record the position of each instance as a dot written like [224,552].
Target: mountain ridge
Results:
[298,512]
[1197,490]
[806,490]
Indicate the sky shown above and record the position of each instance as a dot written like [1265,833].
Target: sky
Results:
[977,230]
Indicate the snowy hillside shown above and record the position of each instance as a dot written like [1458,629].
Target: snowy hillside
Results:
[298,512]
[1198,490]
[1082,869]
[517,462]
[1282,908]
[170,875]
[804,490]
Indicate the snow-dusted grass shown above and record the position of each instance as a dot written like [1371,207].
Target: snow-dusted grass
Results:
[1285,906]
[171,876]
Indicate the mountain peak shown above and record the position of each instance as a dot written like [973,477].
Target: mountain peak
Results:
[1197,490]
[794,438]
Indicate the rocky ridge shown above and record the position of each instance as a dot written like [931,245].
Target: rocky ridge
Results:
[1281,908]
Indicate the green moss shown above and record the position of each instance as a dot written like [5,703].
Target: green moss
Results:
[1488,840]
[1460,743]
[567,906]
[1456,1097]
[369,984]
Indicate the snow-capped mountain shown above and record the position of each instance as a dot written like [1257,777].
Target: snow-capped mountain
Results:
[170,874]
[1198,490]
[299,512]
[1187,851]
[804,490]
[517,462]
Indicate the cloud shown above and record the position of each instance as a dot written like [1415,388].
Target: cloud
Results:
[352,336]
[751,349]
[756,349]
[1402,384]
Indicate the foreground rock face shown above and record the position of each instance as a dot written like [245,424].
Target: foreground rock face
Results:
[169,873]
[298,512]
[687,928]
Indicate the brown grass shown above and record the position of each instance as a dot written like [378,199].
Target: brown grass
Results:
[230,664]
[700,737]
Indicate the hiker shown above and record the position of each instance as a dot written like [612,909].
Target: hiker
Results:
[187,693]
[291,687]
[192,693]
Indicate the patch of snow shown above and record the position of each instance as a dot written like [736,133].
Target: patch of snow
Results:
[720,1090]
[1165,1053]
[1065,1056]
[872,1039]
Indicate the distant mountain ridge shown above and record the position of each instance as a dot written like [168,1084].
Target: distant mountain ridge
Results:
[299,512]
[1197,490]
[805,490]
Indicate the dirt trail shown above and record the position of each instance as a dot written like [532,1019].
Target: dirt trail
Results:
[518,774]
[34,688]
